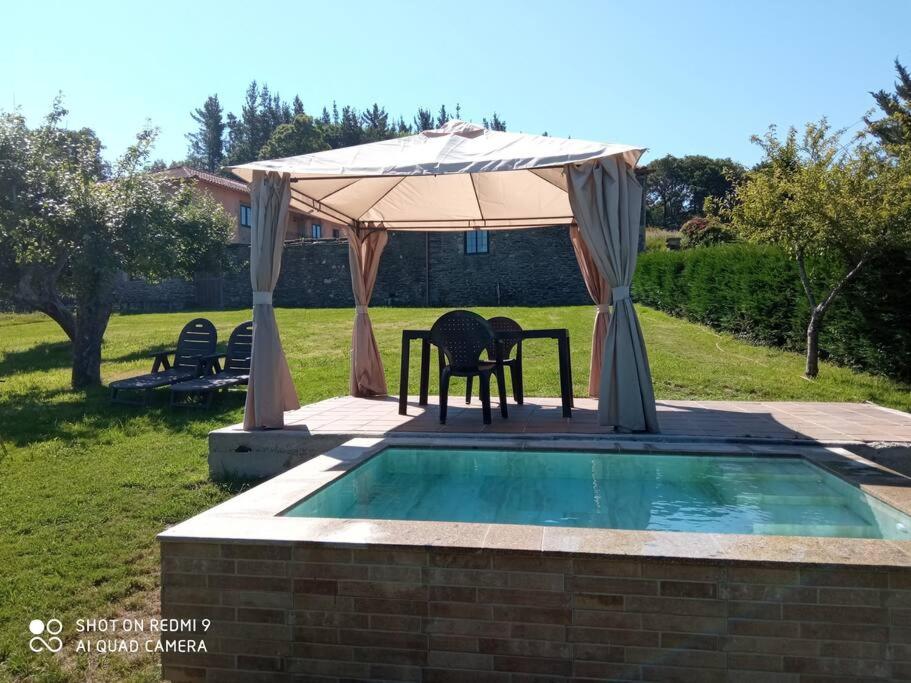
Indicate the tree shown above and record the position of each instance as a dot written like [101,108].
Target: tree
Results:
[301,136]
[376,123]
[69,226]
[678,187]
[667,194]
[894,128]
[423,120]
[495,123]
[260,114]
[207,144]
[814,196]
[442,116]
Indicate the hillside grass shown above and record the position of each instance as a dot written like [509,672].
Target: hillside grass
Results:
[86,486]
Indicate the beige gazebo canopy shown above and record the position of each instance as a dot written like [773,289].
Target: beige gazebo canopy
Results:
[458,177]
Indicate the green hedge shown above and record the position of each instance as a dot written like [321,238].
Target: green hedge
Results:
[754,292]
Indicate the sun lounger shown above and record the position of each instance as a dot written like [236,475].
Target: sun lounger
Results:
[196,341]
[234,372]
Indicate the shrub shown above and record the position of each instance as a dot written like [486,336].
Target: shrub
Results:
[754,292]
[700,232]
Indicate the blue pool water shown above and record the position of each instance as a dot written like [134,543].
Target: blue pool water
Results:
[719,494]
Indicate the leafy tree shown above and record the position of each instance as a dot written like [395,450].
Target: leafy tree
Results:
[495,123]
[678,187]
[815,196]
[894,128]
[667,193]
[423,120]
[302,136]
[207,144]
[69,226]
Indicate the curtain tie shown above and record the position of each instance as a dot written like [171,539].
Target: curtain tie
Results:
[619,294]
[602,308]
[262,298]
[359,308]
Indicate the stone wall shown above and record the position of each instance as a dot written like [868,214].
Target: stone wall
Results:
[522,268]
[283,611]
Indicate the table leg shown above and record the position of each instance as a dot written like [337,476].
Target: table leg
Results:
[403,376]
[565,386]
[425,371]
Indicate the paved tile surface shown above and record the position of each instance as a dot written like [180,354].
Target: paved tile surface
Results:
[826,422]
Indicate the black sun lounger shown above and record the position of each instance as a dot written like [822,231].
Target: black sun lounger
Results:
[197,341]
[235,372]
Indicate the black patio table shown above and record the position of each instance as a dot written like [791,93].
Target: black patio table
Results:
[560,334]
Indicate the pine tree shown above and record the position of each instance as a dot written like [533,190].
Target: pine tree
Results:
[495,123]
[207,144]
[442,116]
[376,121]
[895,126]
[297,107]
[351,132]
[423,120]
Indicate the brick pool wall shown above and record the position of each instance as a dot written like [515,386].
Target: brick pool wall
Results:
[286,612]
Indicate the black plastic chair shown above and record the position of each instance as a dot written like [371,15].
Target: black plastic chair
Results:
[508,326]
[461,336]
[235,372]
[197,339]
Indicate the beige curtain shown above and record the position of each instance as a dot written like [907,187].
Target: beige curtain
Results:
[606,200]
[270,391]
[365,248]
[600,293]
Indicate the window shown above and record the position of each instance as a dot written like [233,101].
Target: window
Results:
[316,231]
[335,233]
[244,216]
[476,242]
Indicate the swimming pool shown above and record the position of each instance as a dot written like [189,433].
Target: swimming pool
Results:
[780,496]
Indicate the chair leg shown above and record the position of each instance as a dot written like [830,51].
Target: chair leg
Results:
[518,391]
[484,390]
[444,394]
[468,390]
[501,385]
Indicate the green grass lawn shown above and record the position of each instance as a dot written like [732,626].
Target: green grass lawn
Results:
[85,486]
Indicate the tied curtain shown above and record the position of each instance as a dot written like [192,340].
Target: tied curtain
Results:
[365,247]
[270,391]
[600,293]
[606,199]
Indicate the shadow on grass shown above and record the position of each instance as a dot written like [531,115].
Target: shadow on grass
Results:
[82,415]
[43,356]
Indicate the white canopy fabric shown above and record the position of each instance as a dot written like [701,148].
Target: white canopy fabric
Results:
[458,177]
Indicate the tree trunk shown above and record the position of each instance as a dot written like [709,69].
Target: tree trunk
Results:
[37,288]
[93,310]
[812,368]
[818,310]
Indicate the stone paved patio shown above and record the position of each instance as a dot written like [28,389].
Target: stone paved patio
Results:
[823,422]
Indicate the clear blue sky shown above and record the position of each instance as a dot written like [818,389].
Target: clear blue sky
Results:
[678,77]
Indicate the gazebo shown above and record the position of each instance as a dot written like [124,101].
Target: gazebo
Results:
[456,178]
